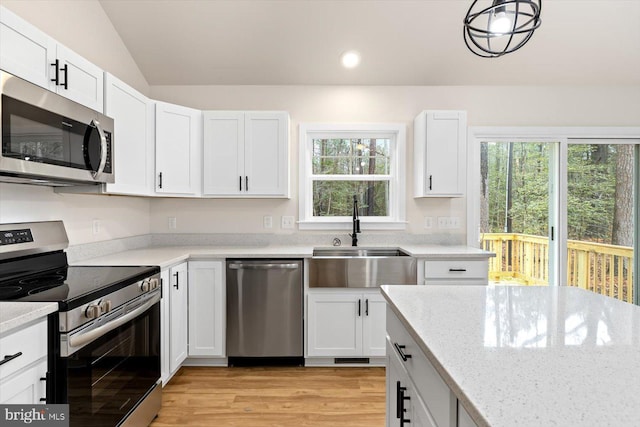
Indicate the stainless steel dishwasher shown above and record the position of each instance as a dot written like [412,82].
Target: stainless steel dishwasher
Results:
[264,311]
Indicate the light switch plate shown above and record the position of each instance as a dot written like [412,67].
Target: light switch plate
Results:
[287,221]
[267,221]
[172,222]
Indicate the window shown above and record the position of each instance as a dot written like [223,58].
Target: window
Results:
[338,162]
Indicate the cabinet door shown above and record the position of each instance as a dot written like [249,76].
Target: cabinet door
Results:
[267,153]
[165,327]
[177,149]
[223,149]
[439,148]
[206,308]
[334,326]
[374,324]
[84,80]
[178,336]
[133,146]
[25,51]
[26,387]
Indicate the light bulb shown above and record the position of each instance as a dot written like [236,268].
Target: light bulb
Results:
[500,24]
[350,59]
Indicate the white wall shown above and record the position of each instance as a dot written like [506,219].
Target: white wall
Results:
[119,216]
[82,26]
[486,106]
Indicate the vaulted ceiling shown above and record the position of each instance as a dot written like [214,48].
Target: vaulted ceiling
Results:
[402,42]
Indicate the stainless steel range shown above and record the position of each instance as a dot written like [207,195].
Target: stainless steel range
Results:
[104,352]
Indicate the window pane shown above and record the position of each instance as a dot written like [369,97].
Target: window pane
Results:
[335,198]
[514,219]
[355,156]
[600,218]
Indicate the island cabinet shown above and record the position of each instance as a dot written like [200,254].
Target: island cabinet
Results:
[207,308]
[246,154]
[23,365]
[32,55]
[440,140]
[345,323]
[415,390]
[178,145]
[173,320]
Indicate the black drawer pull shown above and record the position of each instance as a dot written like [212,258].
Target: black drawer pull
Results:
[461,270]
[10,357]
[399,349]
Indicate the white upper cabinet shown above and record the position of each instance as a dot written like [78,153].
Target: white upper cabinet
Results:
[246,154]
[133,138]
[440,140]
[178,145]
[28,53]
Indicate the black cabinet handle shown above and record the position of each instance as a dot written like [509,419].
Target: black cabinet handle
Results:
[402,354]
[246,183]
[400,409]
[160,179]
[177,276]
[430,181]
[462,270]
[366,307]
[10,357]
[56,79]
[66,76]
[240,183]
[359,307]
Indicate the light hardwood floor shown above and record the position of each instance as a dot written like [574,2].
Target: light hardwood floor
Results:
[283,397]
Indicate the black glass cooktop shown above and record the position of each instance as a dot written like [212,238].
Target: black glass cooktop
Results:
[71,286]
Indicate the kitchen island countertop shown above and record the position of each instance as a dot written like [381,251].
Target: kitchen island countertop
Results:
[529,356]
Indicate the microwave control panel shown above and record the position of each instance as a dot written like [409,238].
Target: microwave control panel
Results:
[13,237]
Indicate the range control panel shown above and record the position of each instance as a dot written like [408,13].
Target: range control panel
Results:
[13,237]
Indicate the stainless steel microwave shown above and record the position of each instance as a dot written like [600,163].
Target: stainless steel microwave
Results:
[50,140]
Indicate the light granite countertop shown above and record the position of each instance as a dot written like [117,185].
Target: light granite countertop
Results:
[15,314]
[529,356]
[166,256]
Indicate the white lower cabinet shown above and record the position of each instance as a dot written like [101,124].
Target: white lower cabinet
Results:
[456,271]
[23,372]
[173,319]
[207,320]
[426,398]
[345,323]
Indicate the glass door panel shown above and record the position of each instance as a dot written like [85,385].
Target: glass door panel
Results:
[600,218]
[517,184]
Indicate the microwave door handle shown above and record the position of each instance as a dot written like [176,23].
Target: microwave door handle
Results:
[103,150]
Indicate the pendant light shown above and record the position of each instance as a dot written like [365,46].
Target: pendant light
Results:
[497,27]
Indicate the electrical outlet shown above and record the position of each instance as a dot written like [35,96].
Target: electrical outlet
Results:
[428,222]
[172,222]
[287,221]
[267,221]
[97,225]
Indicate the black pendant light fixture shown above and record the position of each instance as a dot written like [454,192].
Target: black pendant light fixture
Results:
[496,27]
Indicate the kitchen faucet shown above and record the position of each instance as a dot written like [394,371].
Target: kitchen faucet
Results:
[356,223]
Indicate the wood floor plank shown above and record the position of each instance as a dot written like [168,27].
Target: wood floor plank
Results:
[274,397]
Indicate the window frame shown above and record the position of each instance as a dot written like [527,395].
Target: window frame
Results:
[396,220]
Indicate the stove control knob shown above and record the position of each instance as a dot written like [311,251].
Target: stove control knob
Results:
[145,286]
[92,311]
[105,306]
[154,283]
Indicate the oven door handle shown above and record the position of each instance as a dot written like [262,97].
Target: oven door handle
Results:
[78,341]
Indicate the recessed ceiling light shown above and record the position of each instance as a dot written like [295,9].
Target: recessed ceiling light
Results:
[350,59]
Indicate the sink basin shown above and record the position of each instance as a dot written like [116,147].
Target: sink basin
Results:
[357,252]
[353,267]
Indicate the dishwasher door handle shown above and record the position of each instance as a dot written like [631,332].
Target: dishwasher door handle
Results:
[270,266]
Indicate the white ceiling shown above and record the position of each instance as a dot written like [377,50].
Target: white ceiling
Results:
[402,42]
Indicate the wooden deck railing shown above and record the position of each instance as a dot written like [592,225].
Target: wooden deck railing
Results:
[523,259]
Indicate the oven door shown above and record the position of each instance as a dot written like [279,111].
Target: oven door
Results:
[105,379]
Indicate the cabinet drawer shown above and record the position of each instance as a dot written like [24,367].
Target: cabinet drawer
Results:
[27,387]
[456,269]
[30,341]
[439,400]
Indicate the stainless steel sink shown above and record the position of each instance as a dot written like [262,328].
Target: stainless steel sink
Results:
[361,268]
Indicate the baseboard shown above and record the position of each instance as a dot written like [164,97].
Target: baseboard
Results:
[206,361]
[330,362]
